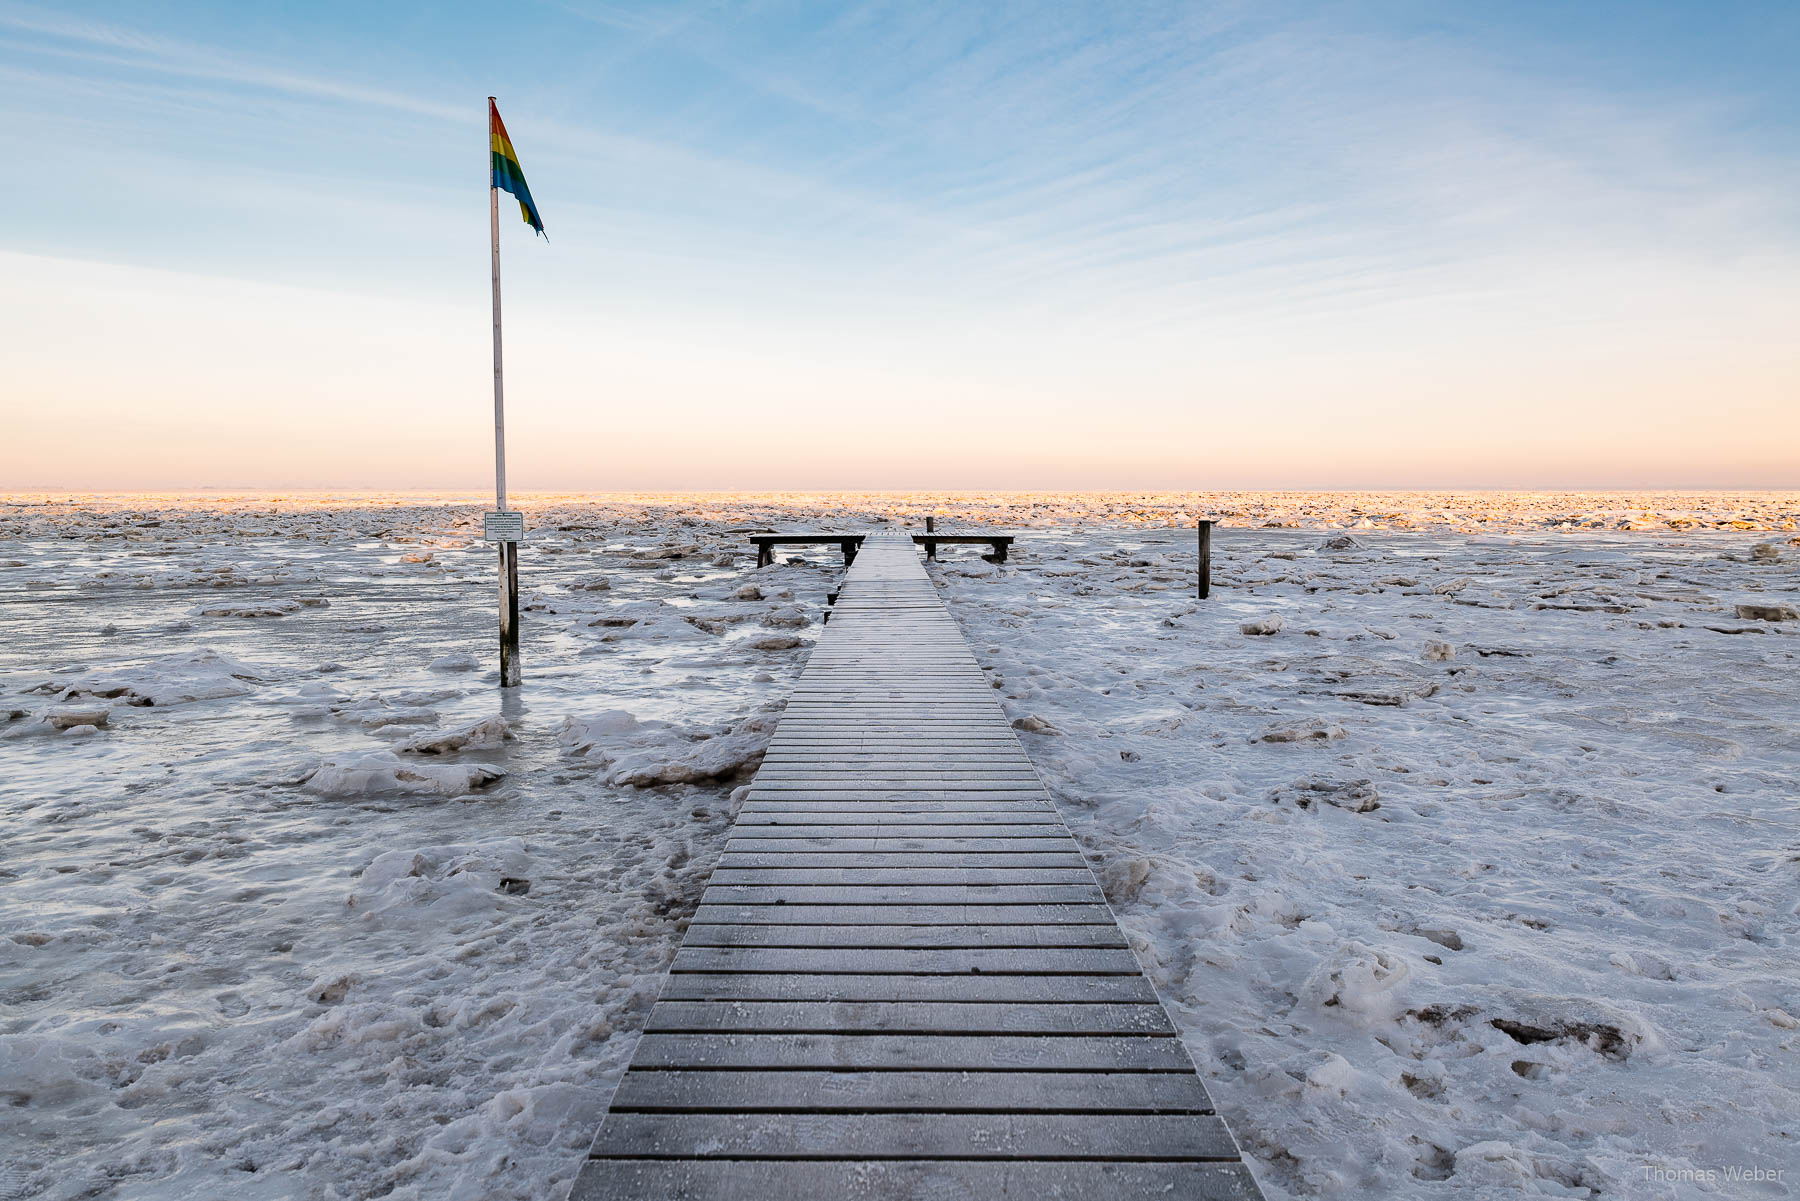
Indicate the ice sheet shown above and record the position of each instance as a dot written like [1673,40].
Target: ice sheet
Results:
[221,978]
[251,944]
[1479,877]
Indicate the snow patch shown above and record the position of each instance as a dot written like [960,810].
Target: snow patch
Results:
[442,881]
[385,772]
[201,674]
[645,754]
[485,734]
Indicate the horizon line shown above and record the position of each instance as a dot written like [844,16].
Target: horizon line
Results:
[213,490]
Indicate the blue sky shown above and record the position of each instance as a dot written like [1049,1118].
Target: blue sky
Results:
[914,244]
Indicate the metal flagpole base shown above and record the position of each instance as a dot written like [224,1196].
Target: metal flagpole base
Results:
[510,675]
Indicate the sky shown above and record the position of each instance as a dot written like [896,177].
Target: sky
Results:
[906,245]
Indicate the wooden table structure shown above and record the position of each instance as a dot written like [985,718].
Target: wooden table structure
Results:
[1000,543]
[766,544]
[902,980]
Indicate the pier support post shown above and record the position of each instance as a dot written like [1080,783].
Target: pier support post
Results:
[1205,582]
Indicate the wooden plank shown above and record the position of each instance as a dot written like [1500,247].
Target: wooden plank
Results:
[900,774]
[983,961]
[928,1092]
[933,767]
[902,894]
[941,1052]
[877,790]
[805,732]
[976,760]
[1033,831]
[830,707]
[898,808]
[929,774]
[827,811]
[915,915]
[900,751]
[915,719]
[798,814]
[864,739]
[809,796]
[895,1017]
[895,934]
[996,764]
[1007,828]
[877,1180]
[806,738]
[929,769]
[937,876]
[896,760]
[1039,1136]
[937,754]
[747,843]
[800,986]
[883,795]
[900,859]
[910,741]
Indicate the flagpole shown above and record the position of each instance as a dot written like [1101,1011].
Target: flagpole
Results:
[509,551]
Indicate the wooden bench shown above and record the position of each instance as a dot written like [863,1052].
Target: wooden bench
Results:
[766,544]
[1000,543]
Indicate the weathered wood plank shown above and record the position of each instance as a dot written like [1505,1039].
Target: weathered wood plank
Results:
[879,795]
[983,961]
[893,934]
[898,1017]
[930,1092]
[883,1180]
[801,986]
[915,915]
[875,788]
[933,773]
[900,859]
[915,1136]
[758,818]
[801,734]
[745,844]
[953,811]
[915,829]
[938,876]
[987,1052]
[902,894]
[930,769]
[974,759]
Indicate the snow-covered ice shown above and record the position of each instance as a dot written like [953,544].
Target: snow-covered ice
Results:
[1469,865]
[315,912]
[1476,875]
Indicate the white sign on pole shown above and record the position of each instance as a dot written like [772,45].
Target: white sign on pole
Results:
[503,525]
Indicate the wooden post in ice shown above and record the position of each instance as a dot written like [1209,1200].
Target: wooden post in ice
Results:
[509,549]
[1205,582]
[930,524]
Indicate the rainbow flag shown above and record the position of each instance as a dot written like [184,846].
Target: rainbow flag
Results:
[508,176]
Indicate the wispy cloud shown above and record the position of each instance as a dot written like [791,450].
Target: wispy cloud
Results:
[979,201]
[99,44]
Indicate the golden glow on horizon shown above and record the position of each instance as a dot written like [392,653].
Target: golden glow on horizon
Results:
[133,378]
[1466,511]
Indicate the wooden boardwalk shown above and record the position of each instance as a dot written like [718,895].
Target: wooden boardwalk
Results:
[902,980]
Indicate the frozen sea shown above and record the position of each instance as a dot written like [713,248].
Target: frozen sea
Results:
[1479,876]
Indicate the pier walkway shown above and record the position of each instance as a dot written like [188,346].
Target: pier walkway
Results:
[902,980]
